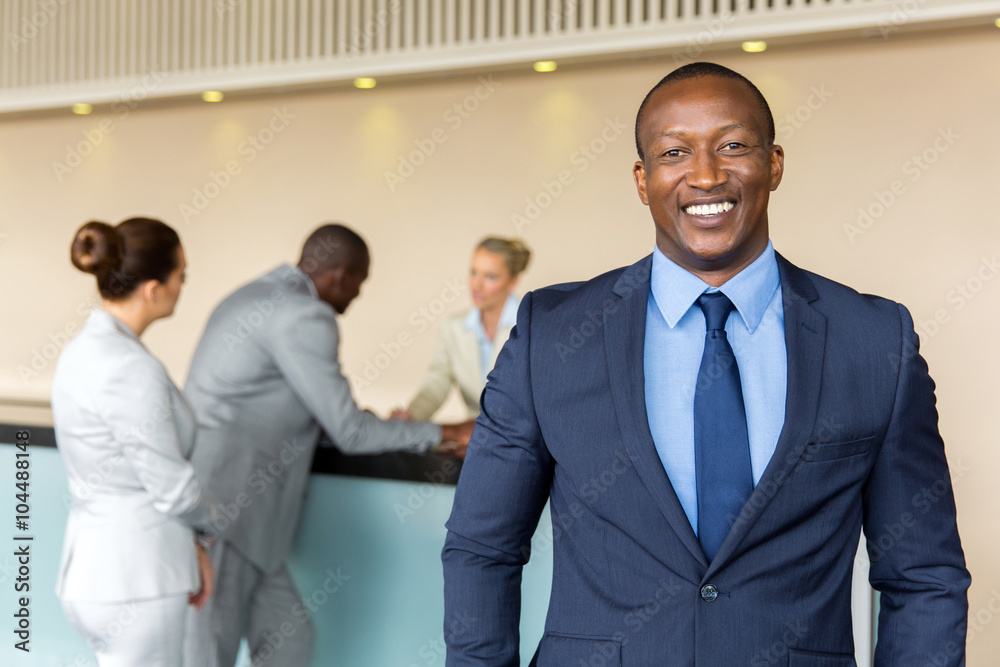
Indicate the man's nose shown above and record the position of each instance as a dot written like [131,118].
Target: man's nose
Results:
[705,173]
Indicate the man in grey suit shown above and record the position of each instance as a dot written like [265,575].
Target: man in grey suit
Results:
[263,382]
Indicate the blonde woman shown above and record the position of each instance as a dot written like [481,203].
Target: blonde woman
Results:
[124,433]
[470,341]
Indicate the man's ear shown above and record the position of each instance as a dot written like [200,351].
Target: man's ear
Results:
[777,165]
[335,276]
[639,174]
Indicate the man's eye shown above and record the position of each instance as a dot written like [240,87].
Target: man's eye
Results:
[733,145]
[673,152]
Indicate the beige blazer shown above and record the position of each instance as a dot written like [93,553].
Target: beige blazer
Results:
[456,361]
[124,433]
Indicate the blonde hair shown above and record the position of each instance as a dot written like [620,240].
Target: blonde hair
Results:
[515,254]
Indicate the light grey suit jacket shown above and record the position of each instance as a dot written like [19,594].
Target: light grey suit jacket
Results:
[124,432]
[265,378]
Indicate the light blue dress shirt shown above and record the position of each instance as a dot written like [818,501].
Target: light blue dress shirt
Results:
[474,323]
[675,341]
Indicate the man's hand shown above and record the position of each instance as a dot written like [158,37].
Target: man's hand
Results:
[455,438]
[450,449]
[207,575]
[460,432]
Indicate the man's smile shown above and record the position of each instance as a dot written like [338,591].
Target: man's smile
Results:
[709,209]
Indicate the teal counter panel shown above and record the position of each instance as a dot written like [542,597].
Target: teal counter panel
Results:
[366,560]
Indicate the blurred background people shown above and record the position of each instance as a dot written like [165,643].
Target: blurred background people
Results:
[265,379]
[124,432]
[470,341]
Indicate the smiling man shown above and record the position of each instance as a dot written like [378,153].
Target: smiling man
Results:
[746,420]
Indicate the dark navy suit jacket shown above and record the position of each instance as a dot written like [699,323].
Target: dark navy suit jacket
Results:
[564,419]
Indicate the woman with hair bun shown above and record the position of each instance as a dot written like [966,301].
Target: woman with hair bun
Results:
[470,341]
[139,523]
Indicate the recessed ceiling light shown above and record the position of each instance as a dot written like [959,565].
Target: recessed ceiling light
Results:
[754,47]
[212,96]
[364,82]
[82,109]
[545,66]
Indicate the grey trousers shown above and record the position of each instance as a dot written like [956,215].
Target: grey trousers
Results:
[266,609]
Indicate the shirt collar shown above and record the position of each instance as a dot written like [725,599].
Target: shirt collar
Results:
[108,322]
[508,316]
[307,279]
[675,289]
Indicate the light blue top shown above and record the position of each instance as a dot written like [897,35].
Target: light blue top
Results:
[474,323]
[675,341]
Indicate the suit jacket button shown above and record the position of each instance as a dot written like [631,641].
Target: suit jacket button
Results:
[709,592]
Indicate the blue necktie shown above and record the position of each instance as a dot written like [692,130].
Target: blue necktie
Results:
[721,444]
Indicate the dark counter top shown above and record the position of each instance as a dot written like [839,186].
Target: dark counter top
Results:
[328,460]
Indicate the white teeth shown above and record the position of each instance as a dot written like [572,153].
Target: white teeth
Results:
[709,209]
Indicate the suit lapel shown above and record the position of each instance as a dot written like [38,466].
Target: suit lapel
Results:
[805,342]
[624,335]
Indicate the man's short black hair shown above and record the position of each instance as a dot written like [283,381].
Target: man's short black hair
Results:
[333,245]
[695,70]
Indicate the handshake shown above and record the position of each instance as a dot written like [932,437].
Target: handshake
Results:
[454,437]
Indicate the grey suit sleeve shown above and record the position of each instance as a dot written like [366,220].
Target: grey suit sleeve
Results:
[305,350]
[916,555]
[501,493]
[137,410]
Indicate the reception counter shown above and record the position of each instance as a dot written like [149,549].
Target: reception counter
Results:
[367,559]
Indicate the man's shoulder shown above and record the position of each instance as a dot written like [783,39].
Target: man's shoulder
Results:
[281,286]
[834,298]
[586,294]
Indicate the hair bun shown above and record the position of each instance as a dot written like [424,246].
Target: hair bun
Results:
[97,249]
[522,255]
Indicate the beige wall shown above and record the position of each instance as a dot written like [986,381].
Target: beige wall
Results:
[874,106]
